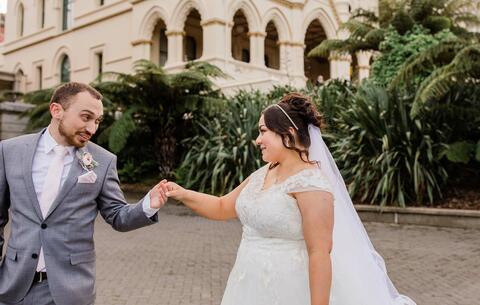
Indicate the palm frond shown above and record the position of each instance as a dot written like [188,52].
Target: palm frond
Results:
[402,22]
[207,69]
[469,19]
[375,37]
[147,66]
[464,67]
[366,15]
[435,55]
[39,96]
[437,23]
[458,8]
[327,46]
[357,28]
[120,130]
[39,116]
[421,9]
[387,10]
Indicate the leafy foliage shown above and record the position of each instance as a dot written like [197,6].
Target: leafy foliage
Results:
[148,110]
[386,156]
[331,99]
[10,95]
[460,151]
[447,65]
[39,115]
[396,49]
[158,108]
[367,30]
[224,153]
[458,114]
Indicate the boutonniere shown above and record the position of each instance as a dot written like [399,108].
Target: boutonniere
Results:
[86,160]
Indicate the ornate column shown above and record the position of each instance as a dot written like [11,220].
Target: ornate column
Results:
[340,65]
[214,38]
[291,57]
[141,49]
[340,62]
[363,59]
[228,40]
[257,48]
[175,47]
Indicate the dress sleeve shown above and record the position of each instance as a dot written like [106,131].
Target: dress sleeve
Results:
[307,181]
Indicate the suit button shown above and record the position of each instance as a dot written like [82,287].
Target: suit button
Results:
[35,255]
[43,226]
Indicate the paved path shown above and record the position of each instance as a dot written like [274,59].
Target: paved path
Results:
[186,260]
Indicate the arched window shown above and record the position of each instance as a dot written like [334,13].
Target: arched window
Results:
[67,15]
[272,50]
[193,42]
[240,39]
[317,70]
[65,70]
[159,51]
[19,85]
[191,48]
[20,20]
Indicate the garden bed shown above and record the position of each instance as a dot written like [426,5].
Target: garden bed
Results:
[460,198]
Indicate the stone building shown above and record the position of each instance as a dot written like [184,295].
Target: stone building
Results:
[258,43]
[2,27]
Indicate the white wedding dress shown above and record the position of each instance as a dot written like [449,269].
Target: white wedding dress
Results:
[271,267]
[272,261]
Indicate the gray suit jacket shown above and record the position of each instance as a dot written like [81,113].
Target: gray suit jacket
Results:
[66,233]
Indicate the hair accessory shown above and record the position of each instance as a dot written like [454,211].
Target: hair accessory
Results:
[288,117]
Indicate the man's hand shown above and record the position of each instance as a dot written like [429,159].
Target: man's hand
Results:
[158,198]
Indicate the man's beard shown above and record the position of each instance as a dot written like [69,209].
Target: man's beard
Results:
[70,138]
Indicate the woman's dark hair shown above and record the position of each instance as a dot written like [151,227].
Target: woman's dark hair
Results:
[302,112]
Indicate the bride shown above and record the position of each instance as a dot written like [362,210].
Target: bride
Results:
[303,242]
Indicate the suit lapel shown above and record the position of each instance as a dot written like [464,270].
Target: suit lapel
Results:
[29,154]
[75,170]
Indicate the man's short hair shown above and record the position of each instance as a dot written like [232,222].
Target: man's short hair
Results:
[63,94]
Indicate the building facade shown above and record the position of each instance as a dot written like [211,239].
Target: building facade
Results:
[258,43]
[2,27]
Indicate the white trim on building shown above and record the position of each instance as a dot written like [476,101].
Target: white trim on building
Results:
[124,31]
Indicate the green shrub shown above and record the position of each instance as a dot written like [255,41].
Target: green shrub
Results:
[224,153]
[396,49]
[332,98]
[385,156]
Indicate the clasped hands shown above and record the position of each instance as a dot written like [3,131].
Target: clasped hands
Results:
[160,193]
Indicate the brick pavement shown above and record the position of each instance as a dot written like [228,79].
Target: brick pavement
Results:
[186,260]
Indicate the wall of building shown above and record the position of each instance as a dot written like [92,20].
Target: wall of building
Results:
[123,31]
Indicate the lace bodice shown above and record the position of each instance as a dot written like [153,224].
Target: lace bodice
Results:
[273,212]
[272,264]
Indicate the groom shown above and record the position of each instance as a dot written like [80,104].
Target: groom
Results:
[54,183]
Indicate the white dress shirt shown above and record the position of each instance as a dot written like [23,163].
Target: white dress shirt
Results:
[43,158]
[44,155]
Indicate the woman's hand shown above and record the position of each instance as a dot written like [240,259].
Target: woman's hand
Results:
[175,191]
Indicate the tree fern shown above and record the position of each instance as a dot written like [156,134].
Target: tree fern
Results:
[327,46]
[464,68]
[120,130]
[365,27]
[436,55]
[206,69]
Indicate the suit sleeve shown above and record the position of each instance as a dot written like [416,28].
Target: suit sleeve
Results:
[114,208]
[4,199]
